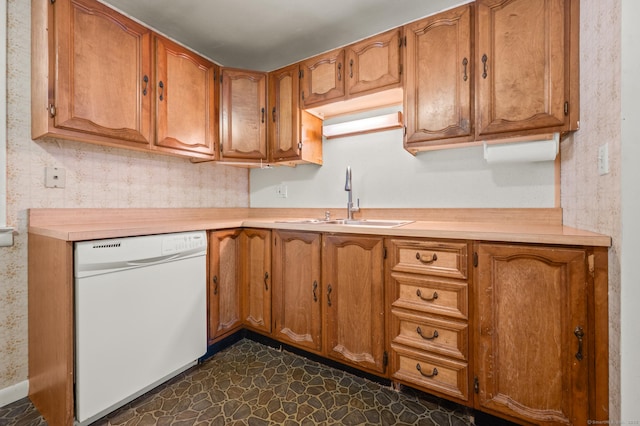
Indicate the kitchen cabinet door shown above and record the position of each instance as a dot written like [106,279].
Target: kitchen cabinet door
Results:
[92,74]
[532,342]
[438,95]
[527,67]
[374,64]
[323,78]
[224,283]
[187,105]
[297,289]
[256,279]
[243,115]
[353,279]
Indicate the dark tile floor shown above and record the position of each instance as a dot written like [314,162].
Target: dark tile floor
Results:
[253,384]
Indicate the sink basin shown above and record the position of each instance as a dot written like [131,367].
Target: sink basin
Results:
[379,223]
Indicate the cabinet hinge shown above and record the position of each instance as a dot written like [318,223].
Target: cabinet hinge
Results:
[220,78]
[476,385]
[385,359]
[299,145]
[475,259]
[400,71]
[591,264]
[566,108]
[220,148]
[384,252]
[300,73]
[405,130]
[52,109]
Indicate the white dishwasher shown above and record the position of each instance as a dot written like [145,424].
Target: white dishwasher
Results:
[140,316]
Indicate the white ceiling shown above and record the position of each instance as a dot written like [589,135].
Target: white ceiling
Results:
[268,34]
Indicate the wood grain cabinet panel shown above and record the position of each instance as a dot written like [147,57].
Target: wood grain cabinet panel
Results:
[187,105]
[297,289]
[531,362]
[243,115]
[374,64]
[102,63]
[526,59]
[353,300]
[438,96]
[256,279]
[295,136]
[323,78]
[224,283]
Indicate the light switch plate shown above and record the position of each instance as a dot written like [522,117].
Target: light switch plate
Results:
[603,159]
[54,177]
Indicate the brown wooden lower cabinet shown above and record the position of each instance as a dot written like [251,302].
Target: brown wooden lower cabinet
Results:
[224,288]
[297,289]
[255,282]
[353,296]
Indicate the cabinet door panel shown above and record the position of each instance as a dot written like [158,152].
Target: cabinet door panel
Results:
[323,78]
[530,301]
[186,101]
[256,278]
[374,64]
[244,114]
[103,60]
[224,285]
[521,57]
[354,301]
[297,289]
[438,79]
[284,126]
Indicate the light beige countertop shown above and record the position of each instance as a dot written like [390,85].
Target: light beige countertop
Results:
[541,226]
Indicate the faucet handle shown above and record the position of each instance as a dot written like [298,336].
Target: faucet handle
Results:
[327,215]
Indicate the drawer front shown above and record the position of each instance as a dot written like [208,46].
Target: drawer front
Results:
[438,336]
[431,373]
[443,259]
[431,296]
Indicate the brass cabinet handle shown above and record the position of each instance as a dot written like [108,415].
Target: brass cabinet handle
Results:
[351,68]
[273,114]
[315,287]
[145,80]
[426,260]
[339,71]
[329,295]
[432,374]
[484,65]
[266,277]
[433,336]
[161,85]
[262,112]
[465,62]
[579,333]
[427,299]
[215,284]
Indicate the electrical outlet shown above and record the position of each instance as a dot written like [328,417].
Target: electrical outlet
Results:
[603,159]
[281,191]
[54,177]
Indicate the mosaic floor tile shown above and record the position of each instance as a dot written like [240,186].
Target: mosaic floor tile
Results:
[253,384]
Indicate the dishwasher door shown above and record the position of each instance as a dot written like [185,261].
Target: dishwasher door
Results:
[140,316]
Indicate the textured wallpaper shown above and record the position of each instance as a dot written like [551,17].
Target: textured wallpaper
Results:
[95,177]
[591,201]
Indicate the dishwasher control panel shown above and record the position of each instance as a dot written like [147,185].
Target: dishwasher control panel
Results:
[176,243]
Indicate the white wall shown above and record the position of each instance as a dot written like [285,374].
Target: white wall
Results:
[385,175]
[630,291]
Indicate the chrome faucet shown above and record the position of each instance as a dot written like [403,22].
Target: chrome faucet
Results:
[348,187]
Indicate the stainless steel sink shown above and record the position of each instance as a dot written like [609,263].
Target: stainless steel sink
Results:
[377,223]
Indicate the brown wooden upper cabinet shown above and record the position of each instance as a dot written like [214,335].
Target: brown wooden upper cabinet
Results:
[374,64]
[438,95]
[93,80]
[526,67]
[244,114]
[323,78]
[187,105]
[295,136]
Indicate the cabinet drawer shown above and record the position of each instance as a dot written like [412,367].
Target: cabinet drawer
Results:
[430,295]
[431,373]
[446,259]
[430,334]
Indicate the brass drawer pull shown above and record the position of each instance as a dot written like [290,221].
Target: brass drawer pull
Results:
[215,284]
[426,260]
[266,277]
[433,373]
[579,333]
[427,299]
[433,336]
[315,287]
[329,295]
